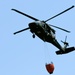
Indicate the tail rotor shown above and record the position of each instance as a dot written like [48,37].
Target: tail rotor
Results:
[65,43]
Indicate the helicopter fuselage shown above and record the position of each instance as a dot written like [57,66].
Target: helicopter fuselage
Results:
[44,32]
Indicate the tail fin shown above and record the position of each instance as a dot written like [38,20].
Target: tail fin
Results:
[65,43]
[67,50]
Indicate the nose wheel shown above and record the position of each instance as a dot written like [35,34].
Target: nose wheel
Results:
[33,35]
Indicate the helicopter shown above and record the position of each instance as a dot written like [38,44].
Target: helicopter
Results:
[45,31]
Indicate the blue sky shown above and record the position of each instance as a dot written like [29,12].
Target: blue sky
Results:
[21,54]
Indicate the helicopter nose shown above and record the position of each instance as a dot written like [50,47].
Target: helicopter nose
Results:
[32,25]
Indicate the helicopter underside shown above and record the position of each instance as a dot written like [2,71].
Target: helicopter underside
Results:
[40,32]
[44,35]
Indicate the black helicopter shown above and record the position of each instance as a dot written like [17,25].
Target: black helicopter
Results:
[46,33]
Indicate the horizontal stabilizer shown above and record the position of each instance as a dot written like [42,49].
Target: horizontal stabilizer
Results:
[67,50]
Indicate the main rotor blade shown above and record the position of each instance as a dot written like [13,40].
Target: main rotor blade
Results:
[60,13]
[25,14]
[21,30]
[60,28]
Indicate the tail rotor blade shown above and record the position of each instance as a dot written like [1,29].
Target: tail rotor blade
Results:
[65,38]
[25,14]
[21,30]
[60,13]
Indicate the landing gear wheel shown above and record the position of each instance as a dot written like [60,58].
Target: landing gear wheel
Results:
[33,35]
